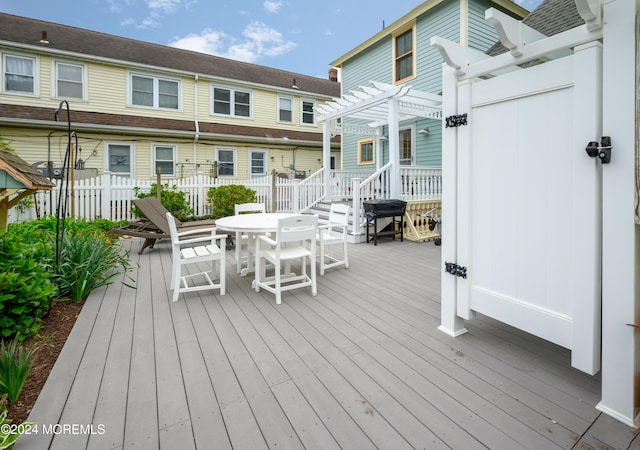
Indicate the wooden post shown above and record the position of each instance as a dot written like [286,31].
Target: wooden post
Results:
[274,192]
[158,185]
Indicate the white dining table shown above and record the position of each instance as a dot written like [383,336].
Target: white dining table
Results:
[251,224]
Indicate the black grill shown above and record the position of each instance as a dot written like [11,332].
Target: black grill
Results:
[377,209]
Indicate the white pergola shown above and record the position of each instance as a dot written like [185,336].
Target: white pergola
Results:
[378,104]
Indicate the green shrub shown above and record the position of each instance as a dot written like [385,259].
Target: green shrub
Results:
[223,198]
[15,365]
[89,261]
[30,280]
[172,199]
[26,286]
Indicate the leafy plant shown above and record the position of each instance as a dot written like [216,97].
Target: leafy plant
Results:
[89,261]
[172,199]
[26,287]
[15,366]
[9,434]
[223,198]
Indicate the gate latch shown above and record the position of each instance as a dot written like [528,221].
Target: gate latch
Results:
[455,269]
[602,151]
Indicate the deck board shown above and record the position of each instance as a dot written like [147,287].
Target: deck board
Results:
[360,365]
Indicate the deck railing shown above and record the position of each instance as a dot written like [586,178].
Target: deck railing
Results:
[109,196]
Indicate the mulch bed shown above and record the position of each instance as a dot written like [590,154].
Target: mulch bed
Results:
[51,338]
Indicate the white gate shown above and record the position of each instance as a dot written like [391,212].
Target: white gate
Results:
[524,199]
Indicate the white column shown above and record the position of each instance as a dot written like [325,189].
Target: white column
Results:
[326,158]
[450,323]
[621,237]
[586,227]
[394,147]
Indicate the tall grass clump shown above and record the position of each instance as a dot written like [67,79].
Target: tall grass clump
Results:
[15,365]
[87,262]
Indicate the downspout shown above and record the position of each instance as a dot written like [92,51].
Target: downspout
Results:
[197,125]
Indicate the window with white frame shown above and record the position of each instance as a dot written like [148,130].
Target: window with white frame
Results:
[155,92]
[308,116]
[226,158]
[119,158]
[257,163]
[69,80]
[231,102]
[19,74]
[164,159]
[285,109]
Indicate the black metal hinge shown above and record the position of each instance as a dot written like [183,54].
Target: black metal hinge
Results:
[455,269]
[456,121]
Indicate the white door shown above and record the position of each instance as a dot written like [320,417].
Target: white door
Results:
[529,202]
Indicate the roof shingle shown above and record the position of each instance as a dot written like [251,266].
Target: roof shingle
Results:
[91,43]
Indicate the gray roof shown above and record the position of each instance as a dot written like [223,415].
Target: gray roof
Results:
[91,43]
[549,18]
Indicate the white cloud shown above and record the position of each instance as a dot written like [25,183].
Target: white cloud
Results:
[163,6]
[271,6]
[258,41]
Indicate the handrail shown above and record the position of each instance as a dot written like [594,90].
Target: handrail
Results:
[311,191]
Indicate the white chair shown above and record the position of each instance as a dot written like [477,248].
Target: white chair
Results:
[244,240]
[295,239]
[195,247]
[331,234]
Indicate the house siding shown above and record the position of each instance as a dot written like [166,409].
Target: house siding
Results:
[375,63]
[106,114]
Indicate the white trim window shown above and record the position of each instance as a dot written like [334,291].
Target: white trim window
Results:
[119,158]
[257,163]
[308,116]
[154,92]
[19,74]
[164,158]
[69,80]
[226,158]
[231,102]
[285,109]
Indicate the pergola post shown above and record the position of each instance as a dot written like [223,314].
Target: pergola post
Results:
[394,147]
[326,159]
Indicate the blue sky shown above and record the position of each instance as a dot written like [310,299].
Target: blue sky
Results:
[301,36]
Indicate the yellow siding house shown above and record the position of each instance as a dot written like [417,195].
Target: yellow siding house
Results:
[138,108]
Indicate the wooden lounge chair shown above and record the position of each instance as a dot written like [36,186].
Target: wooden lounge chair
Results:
[154,225]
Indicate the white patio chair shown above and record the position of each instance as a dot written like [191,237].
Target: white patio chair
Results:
[295,239]
[194,247]
[242,240]
[331,234]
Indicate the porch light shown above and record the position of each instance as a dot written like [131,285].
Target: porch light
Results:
[424,131]
[384,138]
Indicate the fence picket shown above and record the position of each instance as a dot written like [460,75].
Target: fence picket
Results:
[110,196]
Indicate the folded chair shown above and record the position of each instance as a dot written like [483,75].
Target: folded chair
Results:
[155,226]
[207,250]
[244,240]
[333,233]
[295,239]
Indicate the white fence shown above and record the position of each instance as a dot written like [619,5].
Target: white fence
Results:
[109,196]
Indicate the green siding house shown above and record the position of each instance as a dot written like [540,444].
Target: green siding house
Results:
[401,55]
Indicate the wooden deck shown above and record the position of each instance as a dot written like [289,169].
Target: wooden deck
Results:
[361,365]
